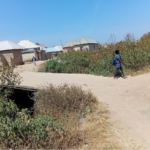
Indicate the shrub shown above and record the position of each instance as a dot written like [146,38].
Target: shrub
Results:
[16,128]
[135,54]
[70,104]
[58,101]
[73,62]
[53,66]
[20,130]
[10,78]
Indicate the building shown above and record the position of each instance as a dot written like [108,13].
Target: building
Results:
[52,52]
[42,46]
[10,53]
[59,48]
[83,44]
[27,55]
[31,50]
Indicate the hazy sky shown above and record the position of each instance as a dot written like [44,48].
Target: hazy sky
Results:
[48,21]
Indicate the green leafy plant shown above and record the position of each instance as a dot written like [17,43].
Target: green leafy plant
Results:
[135,54]
[9,78]
[16,127]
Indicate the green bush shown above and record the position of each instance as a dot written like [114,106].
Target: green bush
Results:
[53,66]
[135,54]
[16,128]
[74,62]
[10,78]
[101,64]
[80,62]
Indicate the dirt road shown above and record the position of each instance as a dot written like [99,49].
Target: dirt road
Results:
[128,101]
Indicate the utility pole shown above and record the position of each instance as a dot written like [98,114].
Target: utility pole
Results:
[61,43]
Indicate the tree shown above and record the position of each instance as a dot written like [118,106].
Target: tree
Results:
[37,43]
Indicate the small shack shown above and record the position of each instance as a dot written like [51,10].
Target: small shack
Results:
[59,48]
[31,50]
[83,44]
[52,52]
[10,53]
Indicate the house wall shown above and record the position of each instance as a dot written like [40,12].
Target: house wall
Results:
[93,47]
[50,55]
[36,55]
[11,57]
[41,55]
[6,57]
[17,57]
[27,56]
[79,47]
[76,48]
[66,49]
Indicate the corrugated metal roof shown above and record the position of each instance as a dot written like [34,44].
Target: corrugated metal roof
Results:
[27,51]
[42,45]
[81,41]
[51,50]
[87,40]
[60,48]
[72,43]
[9,45]
[28,44]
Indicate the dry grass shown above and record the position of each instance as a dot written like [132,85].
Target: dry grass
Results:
[41,66]
[59,101]
[94,130]
[98,132]
[84,118]
[80,125]
[144,70]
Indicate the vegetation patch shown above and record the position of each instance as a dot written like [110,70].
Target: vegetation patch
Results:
[66,117]
[135,54]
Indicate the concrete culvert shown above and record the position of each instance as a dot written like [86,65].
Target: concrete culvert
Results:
[22,96]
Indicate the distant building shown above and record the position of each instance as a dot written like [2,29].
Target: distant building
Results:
[59,48]
[31,50]
[10,53]
[42,45]
[83,44]
[53,52]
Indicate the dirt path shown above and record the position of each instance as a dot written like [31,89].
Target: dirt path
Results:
[28,67]
[128,101]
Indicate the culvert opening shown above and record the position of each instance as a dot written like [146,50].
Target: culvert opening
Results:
[23,97]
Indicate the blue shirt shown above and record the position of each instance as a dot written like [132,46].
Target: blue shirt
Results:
[33,59]
[117,57]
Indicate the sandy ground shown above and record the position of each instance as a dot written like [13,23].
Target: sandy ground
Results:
[128,100]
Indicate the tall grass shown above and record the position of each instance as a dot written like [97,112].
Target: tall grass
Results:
[59,101]
[84,119]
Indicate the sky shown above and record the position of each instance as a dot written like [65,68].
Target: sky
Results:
[49,21]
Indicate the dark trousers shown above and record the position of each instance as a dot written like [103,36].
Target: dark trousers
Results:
[117,71]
